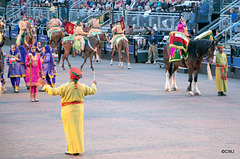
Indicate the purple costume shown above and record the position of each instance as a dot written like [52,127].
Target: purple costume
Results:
[14,71]
[48,64]
[23,53]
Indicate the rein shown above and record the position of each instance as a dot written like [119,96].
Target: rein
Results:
[98,39]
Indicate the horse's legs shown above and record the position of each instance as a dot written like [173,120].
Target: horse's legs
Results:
[113,52]
[63,58]
[98,54]
[126,50]
[174,85]
[195,88]
[85,59]
[167,84]
[189,89]
[120,58]
[68,63]
[90,58]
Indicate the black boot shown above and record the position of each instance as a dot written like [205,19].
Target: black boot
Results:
[219,94]
[183,62]
[222,94]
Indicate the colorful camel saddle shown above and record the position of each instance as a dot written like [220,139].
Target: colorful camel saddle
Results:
[54,31]
[95,33]
[176,55]
[118,39]
[18,42]
[77,46]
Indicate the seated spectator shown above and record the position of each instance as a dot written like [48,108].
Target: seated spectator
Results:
[237,20]
[204,8]
[44,20]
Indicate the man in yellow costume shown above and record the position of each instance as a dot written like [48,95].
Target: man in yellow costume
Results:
[221,71]
[79,35]
[23,28]
[55,24]
[72,112]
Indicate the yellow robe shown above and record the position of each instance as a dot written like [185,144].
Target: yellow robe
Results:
[72,115]
[221,84]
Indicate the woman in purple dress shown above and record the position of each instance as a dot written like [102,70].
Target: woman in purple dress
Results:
[48,64]
[14,70]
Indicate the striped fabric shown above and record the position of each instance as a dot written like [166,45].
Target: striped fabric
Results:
[178,40]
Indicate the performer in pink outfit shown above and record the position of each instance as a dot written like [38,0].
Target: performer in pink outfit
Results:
[34,71]
[182,27]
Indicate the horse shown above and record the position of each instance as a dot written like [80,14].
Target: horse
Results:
[30,37]
[197,50]
[122,45]
[56,38]
[93,43]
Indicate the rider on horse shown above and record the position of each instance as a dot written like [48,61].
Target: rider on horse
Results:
[79,34]
[117,31]
[23,27]
[55,24]
[95,25]
[182,27]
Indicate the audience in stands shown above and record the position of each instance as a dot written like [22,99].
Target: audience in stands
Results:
[237,19]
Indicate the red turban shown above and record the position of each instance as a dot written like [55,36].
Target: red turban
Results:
[75,74]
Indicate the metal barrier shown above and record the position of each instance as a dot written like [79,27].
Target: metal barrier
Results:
[164,21]
[228,7]
[76,3]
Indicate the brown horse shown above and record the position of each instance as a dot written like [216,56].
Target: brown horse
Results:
[122,45]
[56,38]
[30,37]
[67,49]
[197,50]
[93,43]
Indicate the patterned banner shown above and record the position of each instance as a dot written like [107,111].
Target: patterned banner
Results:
[178,40]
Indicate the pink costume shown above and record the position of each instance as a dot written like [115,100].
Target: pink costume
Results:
[33,73]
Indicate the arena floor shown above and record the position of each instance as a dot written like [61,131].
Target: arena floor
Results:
[130,117]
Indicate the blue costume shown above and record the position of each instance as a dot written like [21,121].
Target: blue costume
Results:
[14,71]
[48,64]
[23,53]
[54,73]
[38,50]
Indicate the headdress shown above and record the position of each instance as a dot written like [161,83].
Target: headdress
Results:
[75,74]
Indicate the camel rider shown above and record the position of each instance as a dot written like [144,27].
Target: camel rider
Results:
[23,28]
[117,31]
[79,34]
[55,24]
[95,25]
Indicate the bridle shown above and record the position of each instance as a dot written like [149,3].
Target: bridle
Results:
[98,39]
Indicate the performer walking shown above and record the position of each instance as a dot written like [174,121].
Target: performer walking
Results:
[34,71]
[72,114]
[221,71]
[14,70]
[48,64]
[23,53]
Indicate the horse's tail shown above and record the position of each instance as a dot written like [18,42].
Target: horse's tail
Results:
[170,70]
